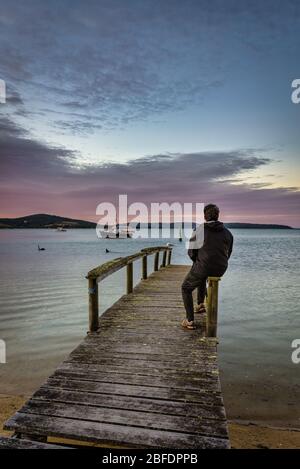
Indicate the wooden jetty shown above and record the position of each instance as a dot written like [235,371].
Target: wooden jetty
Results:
[138,380]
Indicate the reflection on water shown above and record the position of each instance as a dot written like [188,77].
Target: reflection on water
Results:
[43,310]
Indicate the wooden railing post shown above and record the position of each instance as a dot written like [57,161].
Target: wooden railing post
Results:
[156,261]
[129,270]
[164,260]
[169,256]
[212,306]
[144,267]
[93,305]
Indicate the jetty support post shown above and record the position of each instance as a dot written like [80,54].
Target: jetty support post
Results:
[129,269]
[169,256]
[156,261]
[212,306]
[144,267]
[93,305]
[164,259]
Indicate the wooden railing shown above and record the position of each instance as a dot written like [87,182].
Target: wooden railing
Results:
[108,268]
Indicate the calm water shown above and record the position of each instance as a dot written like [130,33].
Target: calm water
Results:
[43,312]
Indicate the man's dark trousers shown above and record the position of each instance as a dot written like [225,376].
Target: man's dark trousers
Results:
[193,280]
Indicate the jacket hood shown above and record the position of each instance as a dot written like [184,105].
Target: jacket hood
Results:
[215,226]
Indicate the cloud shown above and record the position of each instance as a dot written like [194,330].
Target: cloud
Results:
[9,128]
[77,127]
[23,158]
[13,98]
[36,176]
[130,62]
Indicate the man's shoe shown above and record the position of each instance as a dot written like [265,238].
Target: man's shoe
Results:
[200,308]
[188,324]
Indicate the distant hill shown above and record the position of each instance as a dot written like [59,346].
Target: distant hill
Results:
[229,225]
[53,221]
[263,226]
[44,221]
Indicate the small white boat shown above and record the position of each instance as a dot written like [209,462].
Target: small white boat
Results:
[61,228]
[116,232]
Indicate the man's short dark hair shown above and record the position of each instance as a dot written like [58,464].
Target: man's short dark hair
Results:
[211,212]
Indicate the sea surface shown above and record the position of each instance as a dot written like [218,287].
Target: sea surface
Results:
[44,312]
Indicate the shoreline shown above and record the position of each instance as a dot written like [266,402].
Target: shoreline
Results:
[243,434]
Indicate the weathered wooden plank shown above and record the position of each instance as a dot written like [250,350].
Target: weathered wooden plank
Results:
[143,324]
[168,308]
[142,333]
[21,443]
[144,371]
[92,431]
[192,338]
[158,406]
[167,375]
[147,335]
[154,301]
[146,349]
[137,380]
[210,397]
[147,352]
[140,312]
[135,418]
[177,382]
[197,357]
[189,342]
[190,367]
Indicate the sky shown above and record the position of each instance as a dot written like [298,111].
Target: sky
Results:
[164,101]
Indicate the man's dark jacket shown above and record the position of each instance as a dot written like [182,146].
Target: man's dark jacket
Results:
[212,258]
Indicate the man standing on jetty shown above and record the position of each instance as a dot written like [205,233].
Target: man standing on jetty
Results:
[210,259]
